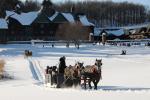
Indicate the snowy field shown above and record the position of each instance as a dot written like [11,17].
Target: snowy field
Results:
[124,77]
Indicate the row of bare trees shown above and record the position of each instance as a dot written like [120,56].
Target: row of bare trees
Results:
[72,32]
[2,63]
[26,6]
[109,13]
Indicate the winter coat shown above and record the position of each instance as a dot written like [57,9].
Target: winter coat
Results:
[62,65]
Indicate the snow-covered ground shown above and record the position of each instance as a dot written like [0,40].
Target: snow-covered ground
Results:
[125,77]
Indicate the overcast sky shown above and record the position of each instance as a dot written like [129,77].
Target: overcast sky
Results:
[144,2]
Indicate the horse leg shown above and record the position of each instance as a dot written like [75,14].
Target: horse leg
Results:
[79,81]
[89,82]
[84,82]
[96,82]
[95,85]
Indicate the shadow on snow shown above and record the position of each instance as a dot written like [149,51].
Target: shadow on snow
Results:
[121,88]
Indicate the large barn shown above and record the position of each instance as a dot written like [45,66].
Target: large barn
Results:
[42,24]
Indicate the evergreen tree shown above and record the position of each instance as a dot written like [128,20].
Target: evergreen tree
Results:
[30,5]
[7,5]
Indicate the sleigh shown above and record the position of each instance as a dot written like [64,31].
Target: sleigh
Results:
[76,76]
[59,80]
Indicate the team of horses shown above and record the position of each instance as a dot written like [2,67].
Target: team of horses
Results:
[74,75]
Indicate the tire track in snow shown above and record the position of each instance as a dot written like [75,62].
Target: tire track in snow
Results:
[41,69]
[121,88]
[35,70]
[34,74]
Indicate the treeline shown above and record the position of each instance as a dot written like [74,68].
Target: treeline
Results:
[109,13]
[26,6]
[100,13]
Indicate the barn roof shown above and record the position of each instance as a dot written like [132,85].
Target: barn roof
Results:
[69,17]
[53,16]
[138,26]
[28,18]
[3,24]
[116,32]
[83,19]
[23,18]
[60,18]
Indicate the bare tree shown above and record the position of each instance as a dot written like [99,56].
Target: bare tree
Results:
[2,63]
[108,13]
[31,6]
[72,33]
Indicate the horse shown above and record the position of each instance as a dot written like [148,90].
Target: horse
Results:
[92,73]
[72,74]
[73,71]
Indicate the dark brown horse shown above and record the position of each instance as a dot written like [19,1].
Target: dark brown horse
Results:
[92,73]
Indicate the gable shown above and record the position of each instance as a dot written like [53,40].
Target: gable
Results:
[60,19]
[13,21]
[42,18]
